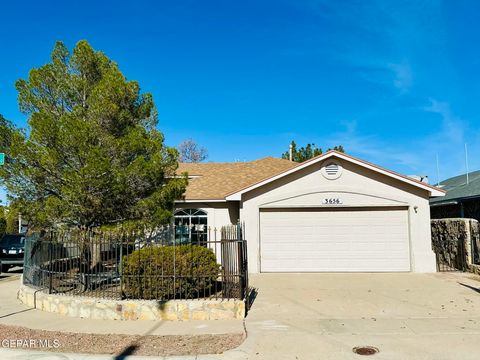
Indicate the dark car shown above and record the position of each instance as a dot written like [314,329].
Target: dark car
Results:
[12,249]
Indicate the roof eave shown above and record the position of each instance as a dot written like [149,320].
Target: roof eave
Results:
[433,191]
[199,200]
[455,199]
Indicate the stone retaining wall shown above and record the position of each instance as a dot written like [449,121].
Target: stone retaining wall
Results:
[457,241]
[84,307]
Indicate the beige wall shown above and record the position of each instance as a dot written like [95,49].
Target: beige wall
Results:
[356,186]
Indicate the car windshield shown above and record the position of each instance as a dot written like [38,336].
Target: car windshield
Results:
[13,241]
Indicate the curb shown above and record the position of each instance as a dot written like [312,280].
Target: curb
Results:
[15,354]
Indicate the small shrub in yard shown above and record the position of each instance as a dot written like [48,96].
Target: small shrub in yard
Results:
[148,273]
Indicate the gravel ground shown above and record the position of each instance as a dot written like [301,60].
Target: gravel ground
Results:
[21,337]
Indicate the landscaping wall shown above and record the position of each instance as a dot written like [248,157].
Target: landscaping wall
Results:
[107,309]
[457,241]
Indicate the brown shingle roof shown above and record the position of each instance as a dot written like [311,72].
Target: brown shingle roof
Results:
[214,181]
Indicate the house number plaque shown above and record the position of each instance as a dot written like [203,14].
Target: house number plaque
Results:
[332,201]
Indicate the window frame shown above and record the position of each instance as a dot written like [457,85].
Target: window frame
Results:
[190,218]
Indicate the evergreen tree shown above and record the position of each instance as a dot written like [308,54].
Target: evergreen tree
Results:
[93,155]
[304,153]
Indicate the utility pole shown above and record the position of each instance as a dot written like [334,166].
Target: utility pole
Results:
[19,223]
[438,172]
[466,160]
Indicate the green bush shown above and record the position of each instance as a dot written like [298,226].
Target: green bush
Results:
[149,273]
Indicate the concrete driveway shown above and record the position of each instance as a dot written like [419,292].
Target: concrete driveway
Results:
[323,316]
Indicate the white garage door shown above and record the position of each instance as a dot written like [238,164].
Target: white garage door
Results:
[365,239]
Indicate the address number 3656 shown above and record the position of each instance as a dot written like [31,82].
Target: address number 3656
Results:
[332,201]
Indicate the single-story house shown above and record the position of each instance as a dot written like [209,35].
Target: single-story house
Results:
[461,200]
[332,213]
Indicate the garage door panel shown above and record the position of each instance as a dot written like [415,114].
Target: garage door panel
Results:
[344,265]
[348,240]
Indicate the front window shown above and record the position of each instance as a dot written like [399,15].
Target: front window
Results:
[190,226]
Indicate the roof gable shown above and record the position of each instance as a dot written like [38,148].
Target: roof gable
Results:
[236,195]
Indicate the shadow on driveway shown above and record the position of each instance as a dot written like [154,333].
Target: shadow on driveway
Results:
[477,290]
[252,295]
[14,313]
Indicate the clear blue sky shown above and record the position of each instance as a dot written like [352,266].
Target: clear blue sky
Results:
[394,82]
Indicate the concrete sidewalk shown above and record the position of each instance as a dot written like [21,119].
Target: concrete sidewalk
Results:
[12,312]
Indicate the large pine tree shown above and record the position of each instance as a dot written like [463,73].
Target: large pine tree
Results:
[92,155]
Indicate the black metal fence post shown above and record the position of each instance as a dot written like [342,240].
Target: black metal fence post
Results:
[120,268]
[50,282]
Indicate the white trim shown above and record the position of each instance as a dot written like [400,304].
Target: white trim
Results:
[432,190]
[180,176]
[192,208]
[410,242]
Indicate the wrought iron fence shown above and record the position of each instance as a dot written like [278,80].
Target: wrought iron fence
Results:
[475,250]
[450,255]
[154,264]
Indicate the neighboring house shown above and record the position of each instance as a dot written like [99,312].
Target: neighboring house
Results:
[462,198]
[331,213]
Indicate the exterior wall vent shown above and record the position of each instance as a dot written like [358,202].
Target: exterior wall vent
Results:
[332,170]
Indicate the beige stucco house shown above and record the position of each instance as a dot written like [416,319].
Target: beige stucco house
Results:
[333,213]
